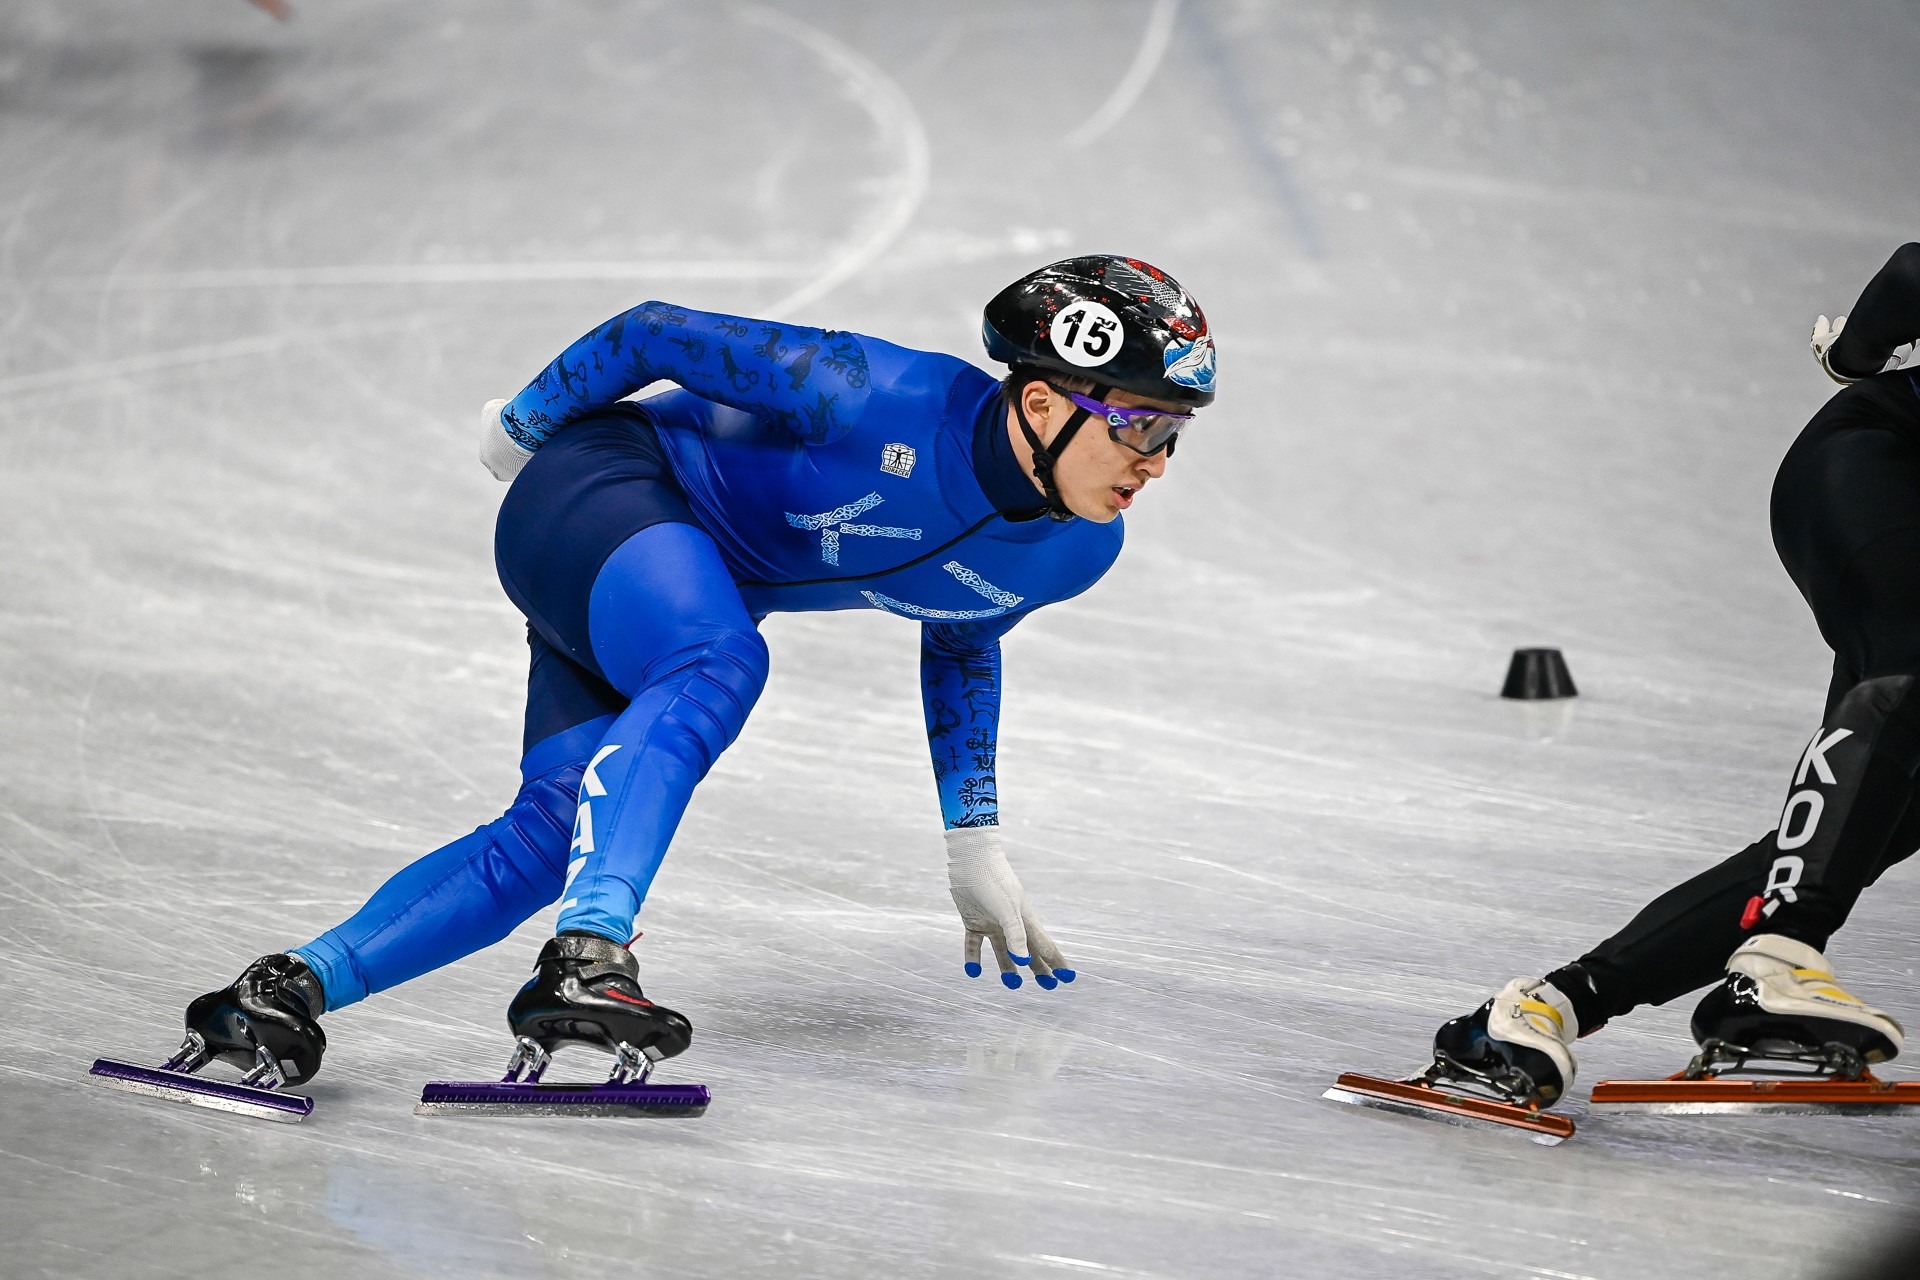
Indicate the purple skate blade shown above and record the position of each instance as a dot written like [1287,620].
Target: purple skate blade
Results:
[198,1091]
[446,1097]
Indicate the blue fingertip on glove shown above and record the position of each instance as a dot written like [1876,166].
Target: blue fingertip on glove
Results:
[973,968]
[1012,980]
[1065,975]
[1046,980]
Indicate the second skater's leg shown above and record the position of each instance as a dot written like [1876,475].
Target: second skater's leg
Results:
[1846,817]
[1771,908]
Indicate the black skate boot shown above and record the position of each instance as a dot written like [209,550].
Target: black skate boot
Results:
[273,1006]
[586,990]
[1779,1002]
[1515,1045]
[264,1024]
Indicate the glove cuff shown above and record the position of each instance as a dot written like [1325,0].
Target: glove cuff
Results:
[500,453]
[973,844]
[1826,367]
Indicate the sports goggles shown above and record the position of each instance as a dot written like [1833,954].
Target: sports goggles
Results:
[1145,431]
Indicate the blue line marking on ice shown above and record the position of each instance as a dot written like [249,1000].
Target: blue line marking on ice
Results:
[1245,116]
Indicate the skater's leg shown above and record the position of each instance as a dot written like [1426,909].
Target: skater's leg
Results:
[670,632]
[1677,943]
[1848,798]
[475,891]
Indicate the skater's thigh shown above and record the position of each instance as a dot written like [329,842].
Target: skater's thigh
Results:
[664,601]
[1846,521]
[563,695]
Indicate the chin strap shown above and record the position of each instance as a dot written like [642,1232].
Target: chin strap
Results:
[1045,455]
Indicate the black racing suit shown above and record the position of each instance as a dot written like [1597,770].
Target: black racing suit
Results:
[1846,522]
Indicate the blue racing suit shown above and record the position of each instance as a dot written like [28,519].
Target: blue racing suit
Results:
[790,469]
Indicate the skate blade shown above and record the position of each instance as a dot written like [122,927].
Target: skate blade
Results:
[1407,1098]
[448,1097]
[1676,1096]
[198,1091]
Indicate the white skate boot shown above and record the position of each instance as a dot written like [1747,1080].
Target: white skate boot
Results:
[1779,1001]
[1518,1044]
[1501,1064]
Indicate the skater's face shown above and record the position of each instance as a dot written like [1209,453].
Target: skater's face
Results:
[1098,476]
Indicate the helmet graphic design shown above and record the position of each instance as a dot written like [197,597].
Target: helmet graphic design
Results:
[1190,364]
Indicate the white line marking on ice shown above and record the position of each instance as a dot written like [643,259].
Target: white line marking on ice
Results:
[1146,61]
[400,273]
[899,124]
[91,374]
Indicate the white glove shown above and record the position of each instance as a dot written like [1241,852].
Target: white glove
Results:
[993,905]
[500,453]
[1824,336]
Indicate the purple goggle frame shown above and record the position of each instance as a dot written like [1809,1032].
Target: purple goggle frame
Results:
[1145,431]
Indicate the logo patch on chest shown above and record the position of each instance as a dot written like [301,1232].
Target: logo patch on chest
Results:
[898,459]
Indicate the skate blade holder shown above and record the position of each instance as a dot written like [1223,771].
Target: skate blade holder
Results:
[257,1094]
[1724,1080]
[521,1092]
[1418,1097]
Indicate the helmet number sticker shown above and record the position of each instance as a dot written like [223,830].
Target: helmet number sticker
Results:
[1087,334]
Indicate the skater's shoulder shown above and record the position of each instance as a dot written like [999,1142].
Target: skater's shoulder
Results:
[911,370]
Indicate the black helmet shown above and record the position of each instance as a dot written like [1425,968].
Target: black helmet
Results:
[1115,321]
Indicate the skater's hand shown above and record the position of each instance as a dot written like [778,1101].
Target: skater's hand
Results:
[500,453]
[994,906]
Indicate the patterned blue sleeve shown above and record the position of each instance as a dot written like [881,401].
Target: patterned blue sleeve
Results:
[960,693]
[813,382]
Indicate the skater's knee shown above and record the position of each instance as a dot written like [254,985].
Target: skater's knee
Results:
[1870,701]
[717,695]
[1883,710]
[536,829]
[727,651]
[740,663]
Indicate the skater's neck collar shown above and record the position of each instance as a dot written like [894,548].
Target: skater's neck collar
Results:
[1002,478]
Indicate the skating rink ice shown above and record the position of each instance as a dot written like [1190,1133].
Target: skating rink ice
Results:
[1512,305]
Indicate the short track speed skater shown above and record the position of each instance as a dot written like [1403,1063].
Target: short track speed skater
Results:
[584,991]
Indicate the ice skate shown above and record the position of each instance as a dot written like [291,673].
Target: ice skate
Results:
[1779,1036]
[1503,1064]
[584,991]
[1779,1002]
[264,1024]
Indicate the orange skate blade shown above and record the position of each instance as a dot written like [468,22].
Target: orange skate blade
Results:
[1408,1098]
[1676,1096]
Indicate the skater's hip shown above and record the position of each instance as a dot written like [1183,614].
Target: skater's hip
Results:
[588,489]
